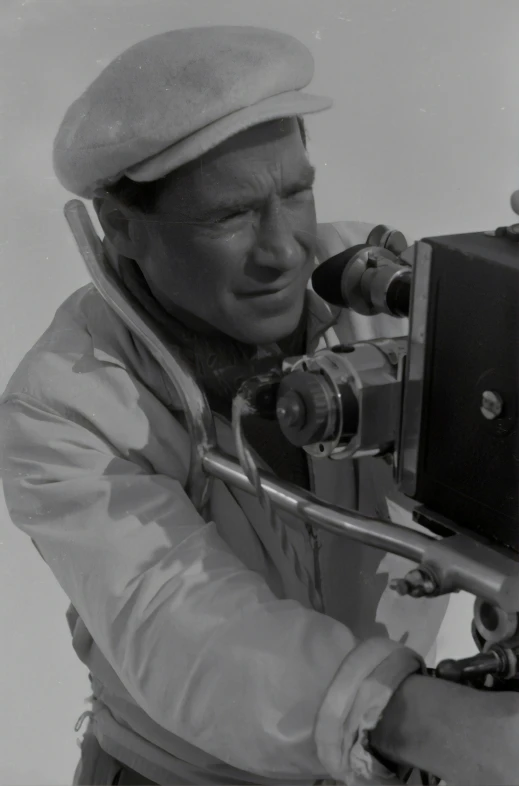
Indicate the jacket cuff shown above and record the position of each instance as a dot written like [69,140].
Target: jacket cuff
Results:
[353,706]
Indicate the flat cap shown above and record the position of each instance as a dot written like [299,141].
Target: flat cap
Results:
[172,97]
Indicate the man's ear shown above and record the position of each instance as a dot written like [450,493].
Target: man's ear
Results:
[118,225]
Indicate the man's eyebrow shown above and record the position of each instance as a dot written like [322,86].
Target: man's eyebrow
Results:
[305,180]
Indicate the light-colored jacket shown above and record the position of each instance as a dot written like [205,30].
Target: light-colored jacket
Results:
[208,663]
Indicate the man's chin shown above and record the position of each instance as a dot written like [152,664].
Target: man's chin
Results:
[270,331]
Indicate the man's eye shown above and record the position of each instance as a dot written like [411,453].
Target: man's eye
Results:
[230,216]
[300,192]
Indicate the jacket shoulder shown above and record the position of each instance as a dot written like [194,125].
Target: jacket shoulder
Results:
[64,341]
[87,369]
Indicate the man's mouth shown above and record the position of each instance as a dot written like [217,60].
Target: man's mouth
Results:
[271,291]
[262,292]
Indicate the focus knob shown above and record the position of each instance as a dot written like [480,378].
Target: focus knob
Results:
[303,408]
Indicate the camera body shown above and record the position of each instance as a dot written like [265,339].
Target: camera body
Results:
[441,403]
[459,436]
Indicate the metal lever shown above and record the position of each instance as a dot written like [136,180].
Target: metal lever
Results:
[500,660]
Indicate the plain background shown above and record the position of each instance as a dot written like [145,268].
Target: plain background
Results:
[424,136]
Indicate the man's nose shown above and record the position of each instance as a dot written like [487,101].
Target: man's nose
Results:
[277,245]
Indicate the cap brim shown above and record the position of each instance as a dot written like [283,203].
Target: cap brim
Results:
[284,105]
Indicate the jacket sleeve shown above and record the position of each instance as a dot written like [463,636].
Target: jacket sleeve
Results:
[198,640]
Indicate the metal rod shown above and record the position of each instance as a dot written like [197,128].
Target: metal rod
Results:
[458,562]
[373,532]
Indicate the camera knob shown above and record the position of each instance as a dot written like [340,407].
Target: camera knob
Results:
[303,408]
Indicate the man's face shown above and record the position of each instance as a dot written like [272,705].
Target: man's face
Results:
[232,239]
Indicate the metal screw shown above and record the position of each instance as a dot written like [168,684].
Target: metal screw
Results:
[290,409]
[491,405]
[416,583]
[400,585]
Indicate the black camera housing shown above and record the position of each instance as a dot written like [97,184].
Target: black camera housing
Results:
[466,466]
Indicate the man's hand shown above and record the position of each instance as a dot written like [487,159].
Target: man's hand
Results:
[463,735]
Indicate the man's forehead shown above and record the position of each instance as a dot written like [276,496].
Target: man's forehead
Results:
[241,163]
[248,171]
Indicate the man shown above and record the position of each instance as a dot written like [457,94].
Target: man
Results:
[217,653]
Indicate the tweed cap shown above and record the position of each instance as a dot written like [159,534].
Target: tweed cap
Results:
[172,97]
